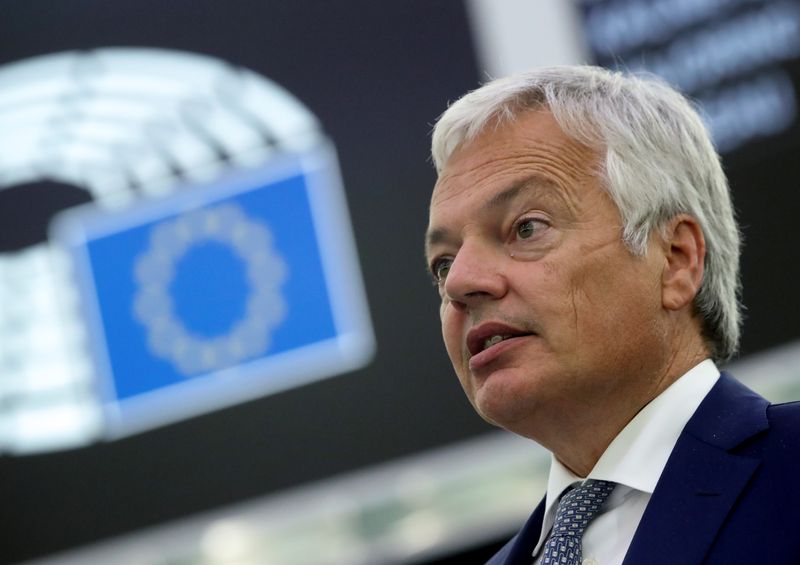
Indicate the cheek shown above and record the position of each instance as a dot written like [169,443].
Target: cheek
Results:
[581,291]
[453,341]
[451,333]
[549,294]
[615,304]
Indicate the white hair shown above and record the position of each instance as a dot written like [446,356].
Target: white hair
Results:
[659,162]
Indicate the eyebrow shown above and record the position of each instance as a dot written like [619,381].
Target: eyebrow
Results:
[443,235]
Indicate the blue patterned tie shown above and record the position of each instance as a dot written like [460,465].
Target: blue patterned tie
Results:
[575,510]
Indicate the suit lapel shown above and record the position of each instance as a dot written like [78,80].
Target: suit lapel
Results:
[519,550]
[702,479]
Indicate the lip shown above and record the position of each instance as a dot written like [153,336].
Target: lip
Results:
[489,355]
[480,333]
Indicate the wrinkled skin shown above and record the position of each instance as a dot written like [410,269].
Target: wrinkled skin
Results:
[523,234]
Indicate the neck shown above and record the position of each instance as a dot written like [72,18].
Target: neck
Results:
[580,442]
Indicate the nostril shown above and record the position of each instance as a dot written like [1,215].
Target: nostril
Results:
[458,305]
[476,293]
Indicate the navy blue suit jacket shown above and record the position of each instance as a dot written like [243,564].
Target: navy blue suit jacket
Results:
[728,494]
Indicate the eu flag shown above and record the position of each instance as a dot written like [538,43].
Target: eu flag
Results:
[220,293]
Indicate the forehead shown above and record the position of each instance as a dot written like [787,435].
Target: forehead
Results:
[532,148]
[533,143]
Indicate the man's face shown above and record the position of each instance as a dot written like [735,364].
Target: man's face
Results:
[544,310]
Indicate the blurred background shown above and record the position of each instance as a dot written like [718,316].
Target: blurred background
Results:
[136,111]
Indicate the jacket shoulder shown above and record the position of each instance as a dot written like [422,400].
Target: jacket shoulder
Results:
[785,409]
[785,418]
[780,442]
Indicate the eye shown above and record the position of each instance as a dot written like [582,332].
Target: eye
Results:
[440,268]
[528,227]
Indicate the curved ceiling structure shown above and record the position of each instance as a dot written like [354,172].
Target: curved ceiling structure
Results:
[121,124]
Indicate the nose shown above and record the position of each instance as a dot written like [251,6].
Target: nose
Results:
[476,274]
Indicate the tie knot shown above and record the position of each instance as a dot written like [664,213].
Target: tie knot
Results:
[578,506]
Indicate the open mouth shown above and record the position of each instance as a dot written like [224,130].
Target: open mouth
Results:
[495,339]
[488,335]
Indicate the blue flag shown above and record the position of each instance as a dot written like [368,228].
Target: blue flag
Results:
[220,293]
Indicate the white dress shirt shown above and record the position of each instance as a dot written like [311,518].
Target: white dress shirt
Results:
[634,460]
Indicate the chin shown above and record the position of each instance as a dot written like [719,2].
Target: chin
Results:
[510,397]
[501,409]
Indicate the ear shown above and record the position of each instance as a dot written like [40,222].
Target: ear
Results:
[685,252]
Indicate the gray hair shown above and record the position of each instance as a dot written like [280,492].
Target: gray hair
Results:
[659,162]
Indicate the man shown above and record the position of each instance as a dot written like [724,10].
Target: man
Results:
[585,249]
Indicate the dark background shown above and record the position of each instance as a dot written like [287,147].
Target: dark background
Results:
[377,74]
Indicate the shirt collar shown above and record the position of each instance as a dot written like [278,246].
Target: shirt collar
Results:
[637,456]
